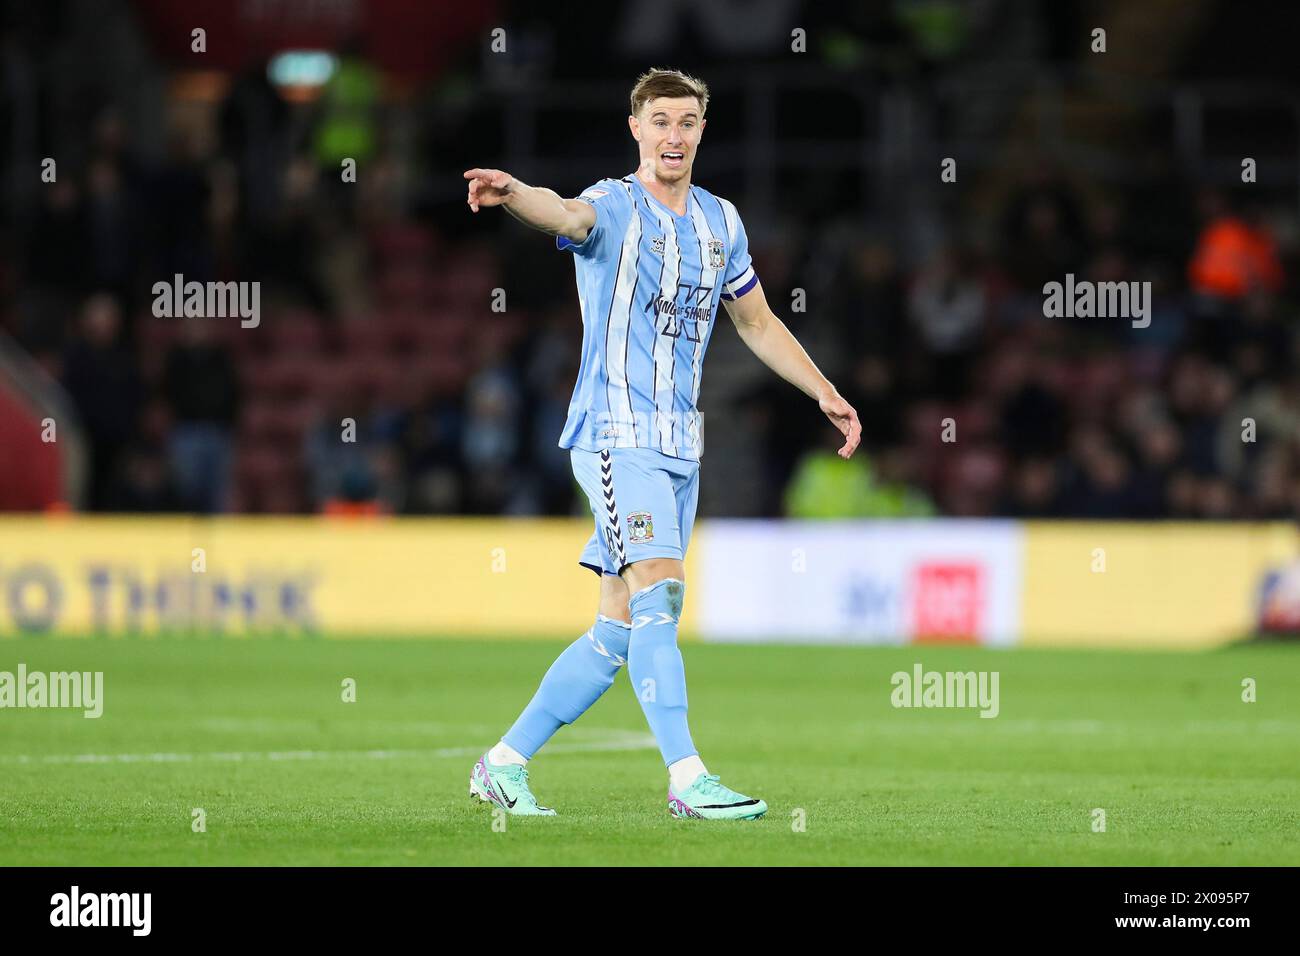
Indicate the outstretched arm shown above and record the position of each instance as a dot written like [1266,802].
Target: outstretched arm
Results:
[534,206]
[778,349]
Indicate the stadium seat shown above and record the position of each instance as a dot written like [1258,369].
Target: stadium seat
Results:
[296,333]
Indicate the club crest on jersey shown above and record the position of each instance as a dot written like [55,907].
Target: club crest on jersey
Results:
[657,245]
[716,257]
[640,527]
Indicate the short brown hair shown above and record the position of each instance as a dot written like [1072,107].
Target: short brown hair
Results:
[670,83]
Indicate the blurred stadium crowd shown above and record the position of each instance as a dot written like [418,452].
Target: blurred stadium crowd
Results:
[376,309]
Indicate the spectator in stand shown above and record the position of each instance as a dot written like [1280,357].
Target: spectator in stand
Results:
[824,485]
[1235,254]
[491,438]
[202,389]
[1034,490]
[286,250]
[1102,485]
[143,481]
[337,449]
[947,306]
[110,230]
[427,440]
[868,302]
[549,374]
[1158,450]
[1044,234]
[100,374]
[181,191]
[57,274]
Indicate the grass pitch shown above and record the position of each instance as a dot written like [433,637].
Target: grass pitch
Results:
[256,734]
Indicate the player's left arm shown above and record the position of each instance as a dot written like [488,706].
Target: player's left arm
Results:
[778,349]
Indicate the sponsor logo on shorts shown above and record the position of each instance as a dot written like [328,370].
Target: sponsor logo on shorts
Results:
[640,527]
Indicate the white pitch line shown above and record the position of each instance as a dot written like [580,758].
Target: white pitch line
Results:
[624,742]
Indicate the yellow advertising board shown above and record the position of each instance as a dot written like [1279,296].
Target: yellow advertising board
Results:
[78,575]
[1146,585]
[1076,584]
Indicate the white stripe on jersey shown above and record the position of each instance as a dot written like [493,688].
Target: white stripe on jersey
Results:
[708,280]
[732,219]
[729,215]
[665,352]
[617,325]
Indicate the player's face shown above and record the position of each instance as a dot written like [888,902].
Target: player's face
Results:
[668,133]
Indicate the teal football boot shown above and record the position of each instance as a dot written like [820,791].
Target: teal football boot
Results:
[506,787]
[707,799]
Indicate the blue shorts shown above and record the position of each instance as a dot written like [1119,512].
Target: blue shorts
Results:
[643,502]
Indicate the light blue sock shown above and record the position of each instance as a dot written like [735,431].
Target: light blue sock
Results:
[573,683]
[655,665]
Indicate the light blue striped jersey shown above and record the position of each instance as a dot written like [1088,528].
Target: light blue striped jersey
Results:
[649,282]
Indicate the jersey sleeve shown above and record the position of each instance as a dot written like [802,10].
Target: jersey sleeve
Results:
[610,200]
[739,277]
